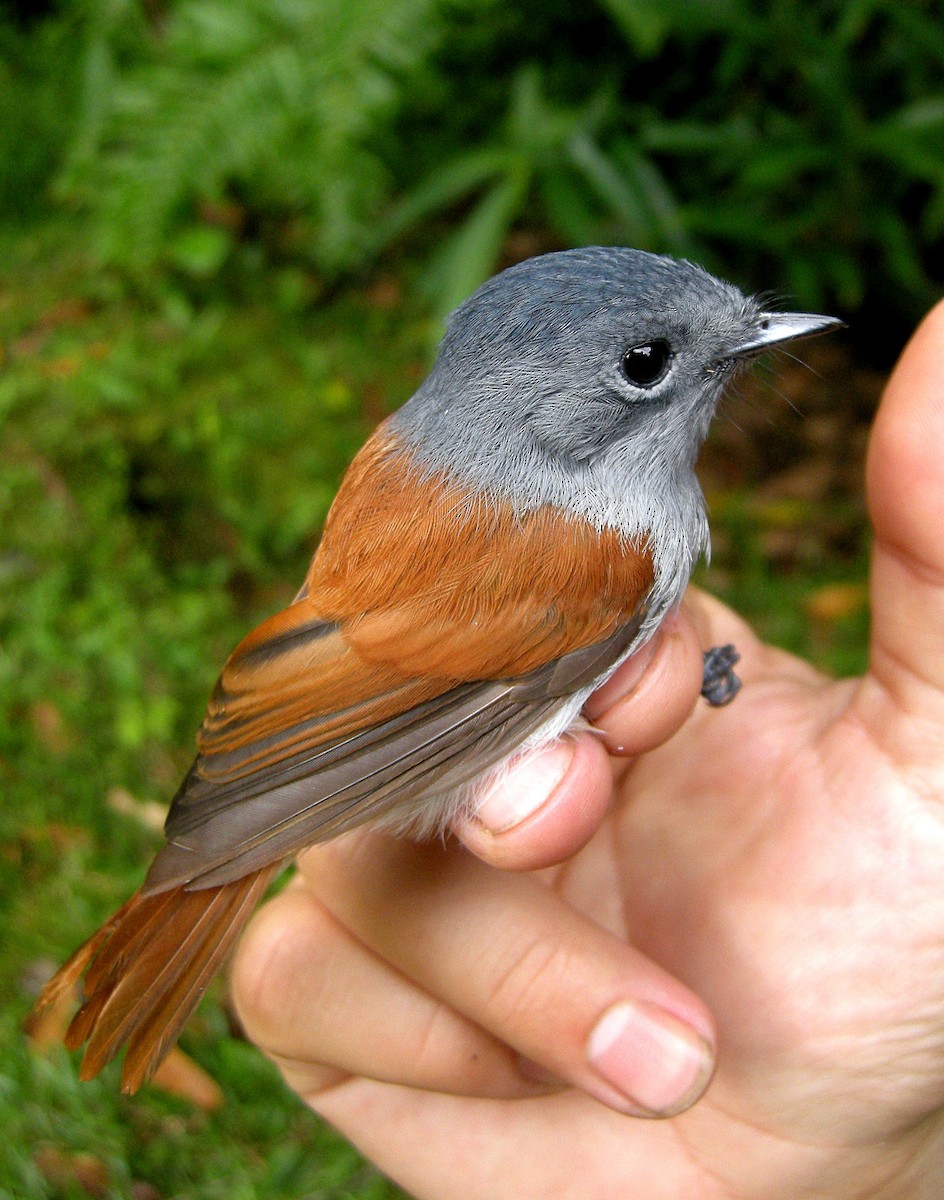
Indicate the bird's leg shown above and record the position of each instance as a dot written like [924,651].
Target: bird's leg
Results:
[719,684]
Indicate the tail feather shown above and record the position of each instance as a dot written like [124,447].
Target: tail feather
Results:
[69,974]
[158,1032]
[146,969]
[84,1021]
[126,939]
[162,956]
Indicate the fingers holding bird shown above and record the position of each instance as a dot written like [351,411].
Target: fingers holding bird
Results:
[546,806]
[325,1008]
[361,966]
[461,979]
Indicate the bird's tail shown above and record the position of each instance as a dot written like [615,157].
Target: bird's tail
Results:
[146,969]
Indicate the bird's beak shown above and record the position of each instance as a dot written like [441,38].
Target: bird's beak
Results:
[773,328]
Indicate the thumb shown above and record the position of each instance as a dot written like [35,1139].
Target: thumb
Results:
[905,480]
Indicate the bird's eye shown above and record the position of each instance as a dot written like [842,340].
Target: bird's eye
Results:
[646,364]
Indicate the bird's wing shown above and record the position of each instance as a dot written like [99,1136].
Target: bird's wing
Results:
[379,686]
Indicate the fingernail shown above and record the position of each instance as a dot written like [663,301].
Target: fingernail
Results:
[660,1064]
[523,789]
[626,678]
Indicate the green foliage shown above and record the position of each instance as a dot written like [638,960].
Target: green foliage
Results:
[33,136]
[554,152]
[799,145]
[261,1143]
[793,145]
[273,102]
[830,167]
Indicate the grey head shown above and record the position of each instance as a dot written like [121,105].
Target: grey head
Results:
[587,380]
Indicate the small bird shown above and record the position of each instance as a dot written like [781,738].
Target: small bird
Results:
[496,549]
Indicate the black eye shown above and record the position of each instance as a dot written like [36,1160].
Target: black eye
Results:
[645,365]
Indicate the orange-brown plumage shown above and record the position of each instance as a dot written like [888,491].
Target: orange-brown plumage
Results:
[469,591]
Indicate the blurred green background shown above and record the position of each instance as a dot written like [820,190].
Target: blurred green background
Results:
[228,232]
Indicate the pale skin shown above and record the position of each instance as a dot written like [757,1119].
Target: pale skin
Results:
[758,888]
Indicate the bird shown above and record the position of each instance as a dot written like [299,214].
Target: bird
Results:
[498,546]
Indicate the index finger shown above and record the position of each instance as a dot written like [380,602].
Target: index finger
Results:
[518,960]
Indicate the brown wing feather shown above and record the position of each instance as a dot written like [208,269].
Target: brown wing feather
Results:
[216,832]
[375,682]
[434,632]
[418,592]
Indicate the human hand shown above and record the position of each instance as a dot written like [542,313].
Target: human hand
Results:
[781,859]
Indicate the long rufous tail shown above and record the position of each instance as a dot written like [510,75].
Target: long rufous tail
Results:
[146,969]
